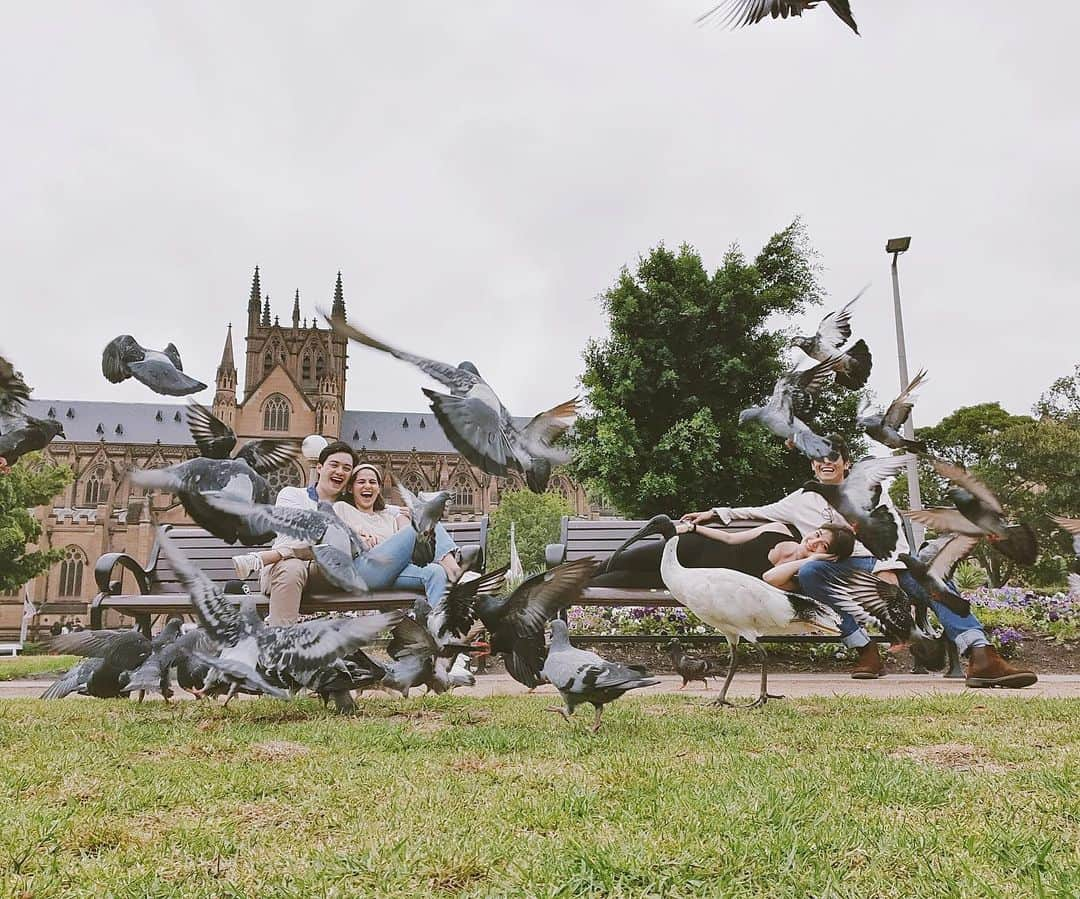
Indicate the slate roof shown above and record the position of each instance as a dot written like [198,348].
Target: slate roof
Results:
[91,422]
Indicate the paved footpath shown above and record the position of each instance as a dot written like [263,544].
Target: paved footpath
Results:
[745,685]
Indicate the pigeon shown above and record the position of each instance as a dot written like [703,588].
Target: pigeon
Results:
[454,616]
[778,414]
[417,662]
[155,674]
[338,680]
[1072,525]
[856,498]
[13,390]
[689,667]
[853,369]
[121,653]
[161,371]
[477,423]
[425,514]
[736,604]
[333,542]
[978,513]
[583,676]
[516,622]
[871,600]
[35,434]
[292,657]
[934,564]
[216,440]
[884,427]
[737,13]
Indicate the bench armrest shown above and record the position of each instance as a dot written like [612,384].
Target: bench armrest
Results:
[106,565]
[554,554]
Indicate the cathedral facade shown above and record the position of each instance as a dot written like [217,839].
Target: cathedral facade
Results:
[294,386]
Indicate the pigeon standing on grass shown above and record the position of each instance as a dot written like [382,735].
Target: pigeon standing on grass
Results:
[475,420]
[737,13]
[978,513]
[790,392]
[853,369]
[160,370]
[155,674]
[583,676]
[857,499]
[884,427]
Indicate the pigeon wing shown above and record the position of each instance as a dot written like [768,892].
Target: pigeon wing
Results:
[212,436]
[410,638]
[737,13]
[270,453]
[963,478]
[942,519]
[545,428]
[117,354]
[457,605]
[96,644]
[173,355]
[219,618]
[476,429]
[539,598]
[869,598]
[14,391]
[900,408]
[945,553]
[72,679]
[308,525]
[311,645]
[1072,525]
[835,328]
[866,476]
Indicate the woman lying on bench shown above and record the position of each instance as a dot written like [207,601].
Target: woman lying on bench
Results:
[774,552]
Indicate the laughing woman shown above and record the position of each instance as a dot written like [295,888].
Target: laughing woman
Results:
[389,538]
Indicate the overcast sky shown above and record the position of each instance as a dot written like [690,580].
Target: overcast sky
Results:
[480,172]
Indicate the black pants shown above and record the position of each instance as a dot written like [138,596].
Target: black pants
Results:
[639,566]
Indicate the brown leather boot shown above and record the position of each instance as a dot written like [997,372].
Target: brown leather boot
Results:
[988,669]
[869,664]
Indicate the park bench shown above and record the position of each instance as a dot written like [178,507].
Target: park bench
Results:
[580,538]
[161,593]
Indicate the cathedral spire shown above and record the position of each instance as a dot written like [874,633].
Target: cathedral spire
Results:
[338,309]
[296,310]
[256,292]
[227,363]
[266,312]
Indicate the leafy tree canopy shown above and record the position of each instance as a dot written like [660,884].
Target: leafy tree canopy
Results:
[686,352]
[537,518]
[30,483]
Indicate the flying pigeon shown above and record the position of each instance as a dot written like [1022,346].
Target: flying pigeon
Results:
[933,565]
[737,13]
[333,542]
[853,369]
[424,515]
[583,676]
[161,371]
[417,662]
[978,513]
[477,423]
[13,390]
[871,600]
[216,440]
[516,622]
[120,652]
[292,656]
[736,604]
[791,391]
[689,667]
[454,616]
[155,674]
[857,500]
[885,426]
[35,434]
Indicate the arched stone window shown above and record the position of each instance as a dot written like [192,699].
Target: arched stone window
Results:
[320,367]
[71,571]
[94,487]
[285,476]
[462,493]
[268,363]
[305,368]
[276,411]
[413,482]
[559,485]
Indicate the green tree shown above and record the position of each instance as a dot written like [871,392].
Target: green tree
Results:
[30,483]
[1062,401]
[536,517]
[686,352]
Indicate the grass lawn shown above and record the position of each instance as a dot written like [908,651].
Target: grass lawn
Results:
[28,666]
[955,796]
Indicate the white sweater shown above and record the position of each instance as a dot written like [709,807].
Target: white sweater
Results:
[809,511]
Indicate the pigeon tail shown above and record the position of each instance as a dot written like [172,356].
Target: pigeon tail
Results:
[879,533]
[857,365]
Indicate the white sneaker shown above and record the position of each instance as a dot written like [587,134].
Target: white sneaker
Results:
[246,565]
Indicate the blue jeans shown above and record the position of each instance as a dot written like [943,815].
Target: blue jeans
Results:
[965,631]
[389,564]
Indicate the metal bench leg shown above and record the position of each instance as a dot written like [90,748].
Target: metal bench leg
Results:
[144,625]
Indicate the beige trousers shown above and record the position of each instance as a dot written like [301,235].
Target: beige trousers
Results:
[284,582]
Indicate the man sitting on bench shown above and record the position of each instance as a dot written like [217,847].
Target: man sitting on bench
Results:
[807,511]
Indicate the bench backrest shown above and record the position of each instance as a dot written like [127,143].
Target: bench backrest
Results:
[213,556]
[599,539]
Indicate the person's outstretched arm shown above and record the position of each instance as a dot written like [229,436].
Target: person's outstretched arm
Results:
[744,535]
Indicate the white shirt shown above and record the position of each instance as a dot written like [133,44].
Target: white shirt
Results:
[295,498]
[809,511]
[379,524]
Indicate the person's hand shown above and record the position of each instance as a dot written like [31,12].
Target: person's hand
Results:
[304,553]
[698,517]
[369,541]
[823,557]
[4,467]
[405,512]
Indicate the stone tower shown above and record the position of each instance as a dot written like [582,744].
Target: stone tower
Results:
[225,396]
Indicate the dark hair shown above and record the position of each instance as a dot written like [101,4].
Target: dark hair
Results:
[842,542]
[379,503]
[839,444]
[337,446]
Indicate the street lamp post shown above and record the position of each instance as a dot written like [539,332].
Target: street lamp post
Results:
[913,530]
